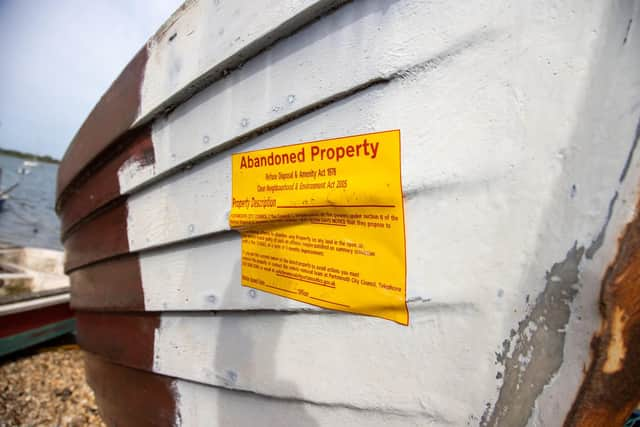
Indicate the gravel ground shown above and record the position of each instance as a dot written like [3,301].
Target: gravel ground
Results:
[47,389]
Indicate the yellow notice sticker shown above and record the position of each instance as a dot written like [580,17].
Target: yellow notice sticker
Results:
[323,223]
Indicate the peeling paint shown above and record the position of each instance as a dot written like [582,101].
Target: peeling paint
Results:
[617,349]
[611,389]
[537,345]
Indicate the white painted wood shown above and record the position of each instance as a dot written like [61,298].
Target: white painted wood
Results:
[200,405]
[203,275]
[376,39]
[338,360]
[209,35]
[32,304]
[8,276]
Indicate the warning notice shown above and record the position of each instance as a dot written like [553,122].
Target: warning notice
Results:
[323,223]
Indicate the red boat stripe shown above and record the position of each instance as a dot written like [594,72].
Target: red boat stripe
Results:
[130,396]
[114,284]
[102,237]
[24,321]
[124,338]
[103,186]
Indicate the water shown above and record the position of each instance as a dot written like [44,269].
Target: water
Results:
[28,217]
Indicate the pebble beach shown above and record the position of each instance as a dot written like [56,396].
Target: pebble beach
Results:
[47,389]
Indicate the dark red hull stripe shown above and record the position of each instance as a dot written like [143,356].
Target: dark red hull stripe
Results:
[126,338]
[24,321]
[110,285]
[102,186]
[103,237]
[130,397]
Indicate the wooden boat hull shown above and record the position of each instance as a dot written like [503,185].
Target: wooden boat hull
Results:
[38,323]
[34,298]
[520,183]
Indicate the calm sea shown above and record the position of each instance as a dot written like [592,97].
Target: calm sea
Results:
[28,217]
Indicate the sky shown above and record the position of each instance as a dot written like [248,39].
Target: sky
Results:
[57,58]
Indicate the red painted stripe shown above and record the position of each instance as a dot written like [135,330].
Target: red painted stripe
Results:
[102,237]
[127,339]
[129,397]
[102,186]
[109,285]
[24,321]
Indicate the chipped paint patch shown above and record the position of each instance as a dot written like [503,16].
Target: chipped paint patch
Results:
[537,345]
[137,168]
[617,349]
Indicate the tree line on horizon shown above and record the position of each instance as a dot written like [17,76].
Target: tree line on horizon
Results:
[28,156]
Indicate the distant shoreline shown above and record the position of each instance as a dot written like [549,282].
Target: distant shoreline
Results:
[28,156]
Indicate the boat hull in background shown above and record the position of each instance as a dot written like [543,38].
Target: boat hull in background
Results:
[34,298]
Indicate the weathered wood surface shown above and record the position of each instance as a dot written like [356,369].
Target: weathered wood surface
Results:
[610,389]
[520,183]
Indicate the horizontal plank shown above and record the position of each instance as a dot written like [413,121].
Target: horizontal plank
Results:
[119,337]
[338,359]
[119,389]
[111,285]
[162,400]
[17,322]
[103,237]
[170,63]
